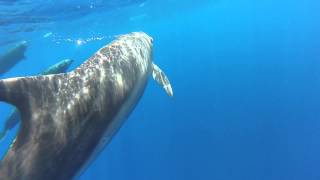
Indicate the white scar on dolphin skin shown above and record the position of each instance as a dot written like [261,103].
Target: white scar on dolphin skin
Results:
[67,119]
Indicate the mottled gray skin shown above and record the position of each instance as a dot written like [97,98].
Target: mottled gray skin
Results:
[66,117]
[12,57]
[14,116]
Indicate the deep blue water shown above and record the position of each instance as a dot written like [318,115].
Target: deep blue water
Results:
[246,79]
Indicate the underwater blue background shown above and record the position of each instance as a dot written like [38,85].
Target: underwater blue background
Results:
[245,75]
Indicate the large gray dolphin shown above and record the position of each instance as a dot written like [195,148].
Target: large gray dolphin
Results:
[68,118]
[12,57]
[13,118]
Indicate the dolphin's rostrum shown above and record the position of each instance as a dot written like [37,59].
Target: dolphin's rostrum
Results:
[67,118]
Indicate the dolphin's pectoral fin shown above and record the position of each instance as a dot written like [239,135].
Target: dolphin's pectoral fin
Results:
[161,78]
[2,134]
[10,122]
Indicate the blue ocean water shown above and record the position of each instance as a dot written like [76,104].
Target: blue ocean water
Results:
[245,74]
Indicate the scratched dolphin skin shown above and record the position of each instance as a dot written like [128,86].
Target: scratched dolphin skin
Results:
[66,119]
[10,58]
[14,117]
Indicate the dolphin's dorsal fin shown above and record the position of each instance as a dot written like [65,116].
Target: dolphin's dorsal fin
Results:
[12,92]
[33,96]
[161,78]
[15,90]
[28,93]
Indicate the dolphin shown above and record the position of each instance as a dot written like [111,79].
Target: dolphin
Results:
[59,67]
[13,118]
[12,57]
[67,119]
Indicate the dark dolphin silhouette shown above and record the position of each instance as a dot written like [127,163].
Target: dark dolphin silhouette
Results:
[13,56]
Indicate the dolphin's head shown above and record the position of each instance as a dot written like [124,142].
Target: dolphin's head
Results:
[65,64]
[139,40]
[147,41]
[140,45]
[60,67]
[22,45]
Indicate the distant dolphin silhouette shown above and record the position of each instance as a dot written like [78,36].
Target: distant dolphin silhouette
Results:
[68,118]
[59,67]
[14,117]
[12,57]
